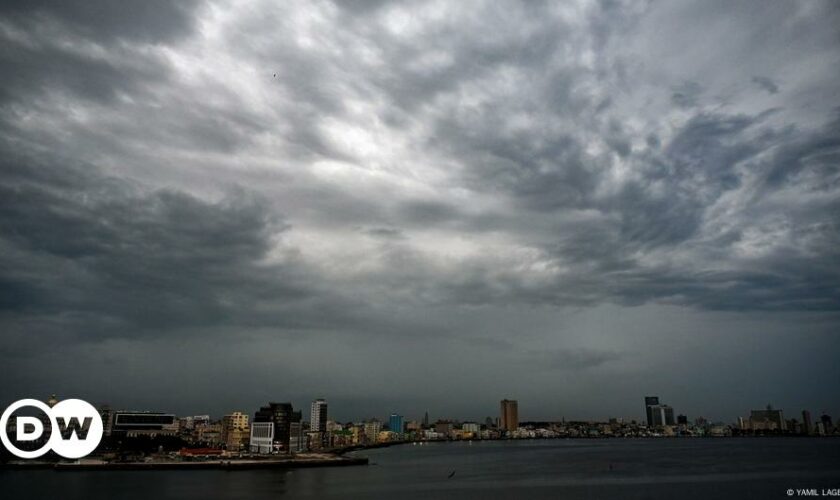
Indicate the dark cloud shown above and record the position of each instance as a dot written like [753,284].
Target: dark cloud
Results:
[686,94]
[766,84]
[153,21]
[385,232]
[127,261]
[567,359]
[577,191]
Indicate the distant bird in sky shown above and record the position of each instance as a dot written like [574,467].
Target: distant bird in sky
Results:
[275,75]
[451,474]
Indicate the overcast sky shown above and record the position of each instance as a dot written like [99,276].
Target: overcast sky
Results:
[411,206]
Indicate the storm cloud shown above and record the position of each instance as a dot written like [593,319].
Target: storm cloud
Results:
[204,206]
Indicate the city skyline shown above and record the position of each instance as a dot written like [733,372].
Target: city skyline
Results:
[411,207]
[507,410]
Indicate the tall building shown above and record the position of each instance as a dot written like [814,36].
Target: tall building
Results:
[509,413]
[658,414]
[825,419]
[318,416]
[281,415]
[395,423]
[807,427]
[426,419]
[650,402]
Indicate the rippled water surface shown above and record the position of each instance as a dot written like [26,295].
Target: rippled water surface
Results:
[568,469]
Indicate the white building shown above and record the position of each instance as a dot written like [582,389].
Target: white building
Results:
[318,416]
[262,437]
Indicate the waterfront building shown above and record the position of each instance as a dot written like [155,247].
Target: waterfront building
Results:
[658,415]
[827,425]
[444,428]
[262,437]
[297,437]
[509,414]
[318,431]
[768,419]
[663,415]
[807,427]
[318,416]
[372,428]
[235,431]
[650,402]
[137,423]
[471,427]
[358,433]
[282,415]
[395,423]
[209,434]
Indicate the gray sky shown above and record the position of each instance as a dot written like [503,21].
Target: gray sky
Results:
[411,206]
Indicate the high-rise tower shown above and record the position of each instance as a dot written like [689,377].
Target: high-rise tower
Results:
[318,416]
[509,415]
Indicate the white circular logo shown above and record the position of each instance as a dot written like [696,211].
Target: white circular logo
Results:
[75,428]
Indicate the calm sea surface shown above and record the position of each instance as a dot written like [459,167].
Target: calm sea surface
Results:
[568,469]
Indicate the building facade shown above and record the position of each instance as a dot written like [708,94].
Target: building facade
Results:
[807,425]
[509,415]
[658,415]
[767,419]
[261,438]
[235,431]
[134,423]
[318,432]
[318,416]
[372,428]
[395,423]
[282,415]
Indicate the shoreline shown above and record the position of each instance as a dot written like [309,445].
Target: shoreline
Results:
[387,444]
[233,465]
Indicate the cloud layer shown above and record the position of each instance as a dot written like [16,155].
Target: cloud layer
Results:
[334,193]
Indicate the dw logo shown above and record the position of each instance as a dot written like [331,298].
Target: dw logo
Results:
[75,428]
